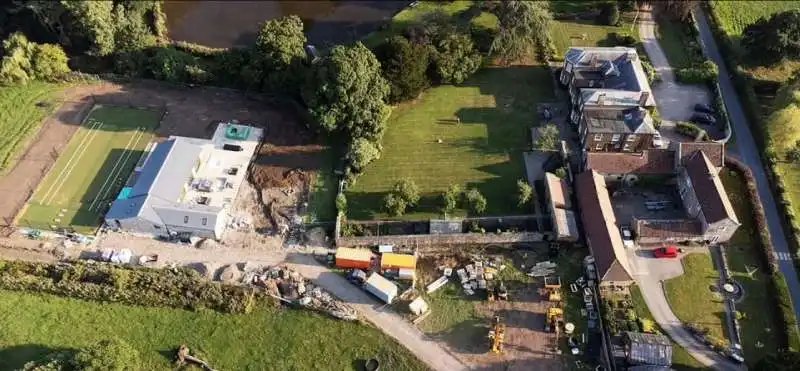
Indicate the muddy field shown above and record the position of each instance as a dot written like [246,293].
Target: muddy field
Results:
[288,159]
[527,345]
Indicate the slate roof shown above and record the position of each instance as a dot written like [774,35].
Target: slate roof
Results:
[714,151]
[635,120]
[650,162]
[619,67]
[714,202]
[600,227]
[648,349]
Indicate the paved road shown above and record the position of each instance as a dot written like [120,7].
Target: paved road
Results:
[746,147]
[386,320]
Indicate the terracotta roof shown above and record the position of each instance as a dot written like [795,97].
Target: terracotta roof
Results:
[654,161]
[714,202]
[600,226]
[666,229]
[714,151]
[558,190]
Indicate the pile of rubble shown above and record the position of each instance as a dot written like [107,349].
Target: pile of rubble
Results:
[476,275]
[543,269]
[290,287]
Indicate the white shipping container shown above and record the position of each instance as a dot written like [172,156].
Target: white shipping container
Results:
[435,285]
[405,274]
[381,287]
[385,248]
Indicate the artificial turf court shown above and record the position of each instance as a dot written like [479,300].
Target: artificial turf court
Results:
[92,169]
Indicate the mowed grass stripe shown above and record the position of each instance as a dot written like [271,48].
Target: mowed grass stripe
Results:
[21,116]
[66,158]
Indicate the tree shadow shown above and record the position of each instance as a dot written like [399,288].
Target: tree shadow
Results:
[15,357]
[467,337]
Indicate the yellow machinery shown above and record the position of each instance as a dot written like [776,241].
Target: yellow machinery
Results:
[555,316]
[552,288]
[497,335]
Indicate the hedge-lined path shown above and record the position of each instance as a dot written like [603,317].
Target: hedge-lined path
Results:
[749,153]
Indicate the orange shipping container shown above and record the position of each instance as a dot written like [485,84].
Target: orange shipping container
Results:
[349,258]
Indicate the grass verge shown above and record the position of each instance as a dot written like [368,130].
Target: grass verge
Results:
[268,339]
[22,111]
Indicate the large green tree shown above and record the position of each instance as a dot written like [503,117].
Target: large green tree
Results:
[49,62]
[783,361]
[345,93]
[405,66]
[524,29]
[770,40]
[361,152]
[456,58]
[278,54]
[96,22]
[16,67]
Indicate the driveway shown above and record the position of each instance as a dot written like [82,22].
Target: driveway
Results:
[675,101]
[749,153]
[650,274]
[387,321]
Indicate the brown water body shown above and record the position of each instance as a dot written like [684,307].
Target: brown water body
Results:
[224,24]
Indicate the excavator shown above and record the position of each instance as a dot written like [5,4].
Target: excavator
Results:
[497,335]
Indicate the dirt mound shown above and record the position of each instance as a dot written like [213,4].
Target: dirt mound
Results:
[230,273]
[286,165]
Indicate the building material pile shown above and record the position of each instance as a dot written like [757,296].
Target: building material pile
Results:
[478,274]
[542,269]
[290,287]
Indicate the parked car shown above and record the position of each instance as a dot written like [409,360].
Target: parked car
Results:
[703,118]
[704,108]
[666,252]
[657,141]
[627,236]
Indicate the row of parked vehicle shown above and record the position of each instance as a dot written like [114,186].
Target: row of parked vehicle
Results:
[703,114]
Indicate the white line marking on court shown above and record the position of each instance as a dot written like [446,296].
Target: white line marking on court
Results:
[92,126]
[115,172]
[80,156]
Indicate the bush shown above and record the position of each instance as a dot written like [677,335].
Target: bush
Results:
[179,288]
[108,355]
[476,201]
[609,14]
[652,75]
[170,64]
[341,203]
[405,67]
[707,72]
[408,191]
[524,193]
[622,39]
[394,205]
[456,59]
[49,62]
[688,129]
[450,198]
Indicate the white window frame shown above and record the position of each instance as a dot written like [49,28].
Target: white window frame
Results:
[598,137]
[615,138]
[204,221]
[598,147]
[626,147]
[631,138]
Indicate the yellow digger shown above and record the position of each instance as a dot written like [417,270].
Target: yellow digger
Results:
[497,335]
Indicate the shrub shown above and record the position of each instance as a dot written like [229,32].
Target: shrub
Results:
[524,193]
[408,191]
[450,198]
[609,14]
[405,67]
[361,152]
[394,205]
[561,173]
[707,72]
[476,201]
[647,325]
[341,203]
[170,64]
[548,138]
[456,58]
[622,39]
[688,129]
[49,62]
[652,75]
[108,355]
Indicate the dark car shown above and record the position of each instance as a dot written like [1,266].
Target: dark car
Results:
[704,108]
[703,118]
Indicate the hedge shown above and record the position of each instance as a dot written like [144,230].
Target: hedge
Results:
[779,291]
[705,72]
[175,288]
[690,129]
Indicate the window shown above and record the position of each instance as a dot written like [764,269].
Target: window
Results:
[631,138]
[598,147]
[615,138]
[204,221]
[627,147]
[156,226]
[568,67]
[185,219]
[598,137]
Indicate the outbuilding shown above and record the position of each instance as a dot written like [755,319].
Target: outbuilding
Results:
[350,258]
[381,287]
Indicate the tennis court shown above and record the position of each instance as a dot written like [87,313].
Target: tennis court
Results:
[92,170]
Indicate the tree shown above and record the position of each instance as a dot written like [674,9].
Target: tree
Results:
[170,64]
[49,62]
[456,58]
[341,203]
[394,205]
[780,361]
[524,193]
[548,137]
[450,198]
[345,93]
[609,14]
[678,9]
[279,52]
[626,5]
[524,28]
[476,201]
[405,67]
[431,28]
[561,173]
[793,153]
[361,152]
[407,191]
[16,65]
[108,355]
[770,40]
[95,23]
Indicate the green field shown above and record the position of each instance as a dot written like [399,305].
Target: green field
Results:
[691,298]
[266,339]
[22,112]
[736,15]
[497,107]
[91,170]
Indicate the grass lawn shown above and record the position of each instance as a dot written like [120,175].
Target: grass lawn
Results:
[691,298]
[22,112]
[569,33]
[736,15]
[673,40]
[266,339]
[759,322]
[496,108]
[92,169]
[322,196]
[681,359]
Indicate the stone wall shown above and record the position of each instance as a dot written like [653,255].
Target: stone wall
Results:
[425,240]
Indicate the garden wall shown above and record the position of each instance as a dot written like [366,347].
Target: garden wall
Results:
[428,240]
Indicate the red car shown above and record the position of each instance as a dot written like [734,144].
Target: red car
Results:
[666,252]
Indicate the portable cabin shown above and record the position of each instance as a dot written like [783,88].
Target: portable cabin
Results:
[350,258]
[398,261]
[381,287]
